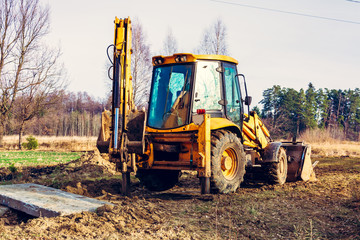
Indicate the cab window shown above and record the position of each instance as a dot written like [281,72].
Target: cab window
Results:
[232,92]
[207,86]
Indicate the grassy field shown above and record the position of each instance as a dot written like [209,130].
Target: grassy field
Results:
[53,143]
[36,158]
[322,144]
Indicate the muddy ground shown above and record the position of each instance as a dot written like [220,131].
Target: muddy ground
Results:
[326,209]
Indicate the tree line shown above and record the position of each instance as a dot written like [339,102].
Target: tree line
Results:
[288,112]
[34,99]
[75,114]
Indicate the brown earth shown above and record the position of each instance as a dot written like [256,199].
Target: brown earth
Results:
[326,209]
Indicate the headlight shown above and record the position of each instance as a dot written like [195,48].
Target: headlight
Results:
[158,61]
[180,58]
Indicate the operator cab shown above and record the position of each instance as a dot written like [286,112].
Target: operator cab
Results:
[184,85]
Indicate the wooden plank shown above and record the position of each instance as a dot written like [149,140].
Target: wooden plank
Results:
[42,201]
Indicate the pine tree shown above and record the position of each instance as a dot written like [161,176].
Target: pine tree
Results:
[310,106]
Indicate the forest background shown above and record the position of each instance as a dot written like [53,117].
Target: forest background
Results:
[34,99]
[285,111]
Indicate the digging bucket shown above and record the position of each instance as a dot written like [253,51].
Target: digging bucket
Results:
[300,166]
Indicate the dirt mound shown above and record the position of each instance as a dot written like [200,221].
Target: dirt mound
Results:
[92,159]
[129,218]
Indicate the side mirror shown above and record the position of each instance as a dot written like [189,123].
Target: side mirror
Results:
[248,100]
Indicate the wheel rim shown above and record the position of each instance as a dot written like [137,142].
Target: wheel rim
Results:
[229,163]
[282,165]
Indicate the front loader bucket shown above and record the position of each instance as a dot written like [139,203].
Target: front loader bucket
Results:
[307,168]
[299,161]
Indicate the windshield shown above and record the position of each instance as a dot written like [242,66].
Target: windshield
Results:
[170,96]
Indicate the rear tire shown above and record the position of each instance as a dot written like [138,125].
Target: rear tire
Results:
[227,162]
[277,172]
[158,180]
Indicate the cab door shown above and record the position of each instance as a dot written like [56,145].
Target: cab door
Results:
[233,104]
[207,90]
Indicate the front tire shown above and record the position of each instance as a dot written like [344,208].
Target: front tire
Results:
[277,172]
[227,162]
[158,180]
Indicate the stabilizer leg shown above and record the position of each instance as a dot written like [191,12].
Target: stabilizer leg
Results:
[125,184]
[205,185]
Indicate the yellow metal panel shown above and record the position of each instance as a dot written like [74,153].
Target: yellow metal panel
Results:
[250,144]
[215,123]
[186,128]
[265,130]
[204,145]
[259,133]
[207,145]
[219,123]
[127,74]
[217,57]
[193,58]
[119,33]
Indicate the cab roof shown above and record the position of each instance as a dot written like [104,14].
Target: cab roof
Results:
[189,57]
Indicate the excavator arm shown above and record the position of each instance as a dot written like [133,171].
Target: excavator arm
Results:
[122,101]
[122,128]
[114,122]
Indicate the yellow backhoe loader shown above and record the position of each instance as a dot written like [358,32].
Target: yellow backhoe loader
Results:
[196,120]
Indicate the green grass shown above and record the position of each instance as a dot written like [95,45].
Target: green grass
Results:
[347,163]
[31,158]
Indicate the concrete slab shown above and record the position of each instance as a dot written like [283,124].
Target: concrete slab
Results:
[41,201]
[3,210]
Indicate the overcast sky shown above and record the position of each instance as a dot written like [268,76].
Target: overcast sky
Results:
[277,42]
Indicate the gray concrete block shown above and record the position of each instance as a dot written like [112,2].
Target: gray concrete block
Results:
[3,210]
[41,201]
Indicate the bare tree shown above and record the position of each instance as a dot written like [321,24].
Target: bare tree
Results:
[25,61]
[45,90]
[141,65]
[214,39]
[170,45]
